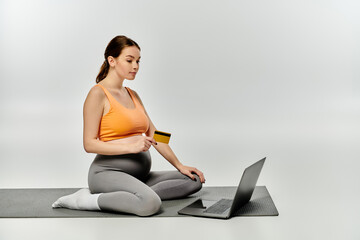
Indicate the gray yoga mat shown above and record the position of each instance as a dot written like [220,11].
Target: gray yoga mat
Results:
[36,203]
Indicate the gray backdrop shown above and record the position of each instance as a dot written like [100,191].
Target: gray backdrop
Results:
[233,81]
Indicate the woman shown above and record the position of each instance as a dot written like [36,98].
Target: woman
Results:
[115,122]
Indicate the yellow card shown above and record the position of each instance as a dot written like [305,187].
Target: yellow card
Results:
[163,137]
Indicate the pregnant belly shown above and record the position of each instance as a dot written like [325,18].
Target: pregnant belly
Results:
[137,165]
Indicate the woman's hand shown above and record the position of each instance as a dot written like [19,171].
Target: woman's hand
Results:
[142,144]
[186,170]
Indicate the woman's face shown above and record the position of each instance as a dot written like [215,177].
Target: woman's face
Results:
[126,65]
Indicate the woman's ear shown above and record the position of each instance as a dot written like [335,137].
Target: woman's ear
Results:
[111,61]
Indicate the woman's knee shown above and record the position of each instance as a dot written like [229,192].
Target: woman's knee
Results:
[149,205]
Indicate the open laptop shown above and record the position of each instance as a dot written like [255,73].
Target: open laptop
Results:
[224,208]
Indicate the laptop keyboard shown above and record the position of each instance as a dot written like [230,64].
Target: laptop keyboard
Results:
[220,206]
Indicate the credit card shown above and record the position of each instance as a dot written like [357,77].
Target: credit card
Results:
[163,137]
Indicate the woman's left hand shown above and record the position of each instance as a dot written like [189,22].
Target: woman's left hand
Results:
[186,170]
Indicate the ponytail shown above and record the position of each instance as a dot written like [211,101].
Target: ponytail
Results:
[104,69]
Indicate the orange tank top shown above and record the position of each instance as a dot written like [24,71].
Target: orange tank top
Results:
[121,122]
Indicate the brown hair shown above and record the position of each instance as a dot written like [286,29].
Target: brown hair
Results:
[114,48]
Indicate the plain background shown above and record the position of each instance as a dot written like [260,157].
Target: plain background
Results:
[233,81]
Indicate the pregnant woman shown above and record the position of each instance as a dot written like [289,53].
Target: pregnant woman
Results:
[118,129]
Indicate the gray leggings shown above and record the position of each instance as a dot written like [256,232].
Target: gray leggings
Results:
[128,186]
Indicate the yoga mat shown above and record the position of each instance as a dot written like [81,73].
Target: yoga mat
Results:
[36,203]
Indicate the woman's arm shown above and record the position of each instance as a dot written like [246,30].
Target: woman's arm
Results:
[92,113]
[166,151]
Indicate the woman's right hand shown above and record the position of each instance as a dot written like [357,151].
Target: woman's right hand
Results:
[142,144]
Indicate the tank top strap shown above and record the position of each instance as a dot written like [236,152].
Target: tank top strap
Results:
[134,98]
[108,94]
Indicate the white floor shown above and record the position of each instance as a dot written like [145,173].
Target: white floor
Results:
[319,220]
[324,214]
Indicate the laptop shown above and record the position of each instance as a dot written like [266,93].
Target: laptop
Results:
[224,208]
